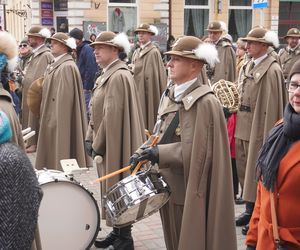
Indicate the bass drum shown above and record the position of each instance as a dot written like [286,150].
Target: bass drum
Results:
[69,216]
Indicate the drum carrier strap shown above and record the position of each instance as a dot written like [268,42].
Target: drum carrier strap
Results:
[166,138]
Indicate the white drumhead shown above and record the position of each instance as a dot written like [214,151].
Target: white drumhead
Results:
[68,217]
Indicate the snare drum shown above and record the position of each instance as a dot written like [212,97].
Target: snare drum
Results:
[68,216]
[136,197]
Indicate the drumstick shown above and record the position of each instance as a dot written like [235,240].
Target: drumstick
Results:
[112,174]
[142,162]
[125,168]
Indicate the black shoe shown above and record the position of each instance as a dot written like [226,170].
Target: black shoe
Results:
[243,219]
[109,240]
[245,229]
[124,244]
[125,240]
[239,201]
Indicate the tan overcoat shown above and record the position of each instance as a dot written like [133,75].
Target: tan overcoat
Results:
[35,69]
[288,58]
[116,126]
[6,105]
[226,68]
[262,90]
[196,165]
[63,122]
[151,79]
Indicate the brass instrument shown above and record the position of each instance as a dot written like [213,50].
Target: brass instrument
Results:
[34,96]
[228,95]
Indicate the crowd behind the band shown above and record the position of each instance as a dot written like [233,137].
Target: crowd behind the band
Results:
[97,98]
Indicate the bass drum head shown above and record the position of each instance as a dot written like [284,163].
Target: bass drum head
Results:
[68,217]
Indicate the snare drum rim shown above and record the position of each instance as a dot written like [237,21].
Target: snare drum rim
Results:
[93,199]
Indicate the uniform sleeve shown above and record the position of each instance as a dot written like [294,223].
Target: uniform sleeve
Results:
[251,238]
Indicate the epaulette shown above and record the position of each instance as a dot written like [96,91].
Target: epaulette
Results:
[226,44]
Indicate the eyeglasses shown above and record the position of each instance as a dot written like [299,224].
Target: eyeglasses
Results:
[23,45]
[292,86]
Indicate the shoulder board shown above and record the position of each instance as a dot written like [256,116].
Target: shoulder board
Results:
[225,43]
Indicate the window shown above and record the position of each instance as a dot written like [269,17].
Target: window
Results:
[122,16]
[240,18]
[196,16]
[60,5]
[288,17]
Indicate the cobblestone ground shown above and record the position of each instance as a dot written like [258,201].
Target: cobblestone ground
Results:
[147,233]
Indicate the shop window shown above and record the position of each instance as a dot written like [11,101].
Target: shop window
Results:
[240,18]
[196,16]
[122,16]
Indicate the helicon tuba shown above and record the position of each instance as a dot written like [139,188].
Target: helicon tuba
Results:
[228,95]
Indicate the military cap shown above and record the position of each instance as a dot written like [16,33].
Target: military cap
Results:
[119,41]
[216,26]
[144,27]
[293,32]
[262,35]
[64,39]
[39,31]
[193,48]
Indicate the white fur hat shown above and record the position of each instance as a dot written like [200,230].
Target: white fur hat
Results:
[9,47]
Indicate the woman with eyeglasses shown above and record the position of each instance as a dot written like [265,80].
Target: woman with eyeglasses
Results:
[278,172]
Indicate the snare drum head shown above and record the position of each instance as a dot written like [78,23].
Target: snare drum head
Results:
[68,215]
[135,198]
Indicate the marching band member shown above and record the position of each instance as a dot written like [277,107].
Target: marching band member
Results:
[193,155]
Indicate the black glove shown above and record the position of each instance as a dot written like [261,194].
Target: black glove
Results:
[89,148]
[133,161]
[94,154]
[151,154]
[250,247]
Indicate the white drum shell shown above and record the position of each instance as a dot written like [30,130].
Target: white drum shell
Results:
[68,216]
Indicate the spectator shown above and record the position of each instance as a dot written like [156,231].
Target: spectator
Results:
[278,170]
[86,63]
[20,193]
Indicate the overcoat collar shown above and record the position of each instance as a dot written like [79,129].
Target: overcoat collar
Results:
[193,93]
[54,65]
[259,70]
[146,50]
[107,74]
[190,96]
[41,50]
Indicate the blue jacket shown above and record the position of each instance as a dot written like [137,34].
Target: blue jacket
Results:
[87,65]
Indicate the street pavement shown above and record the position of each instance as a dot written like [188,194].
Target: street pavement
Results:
[147,233]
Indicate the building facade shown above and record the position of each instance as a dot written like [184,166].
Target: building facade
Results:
[176,17]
